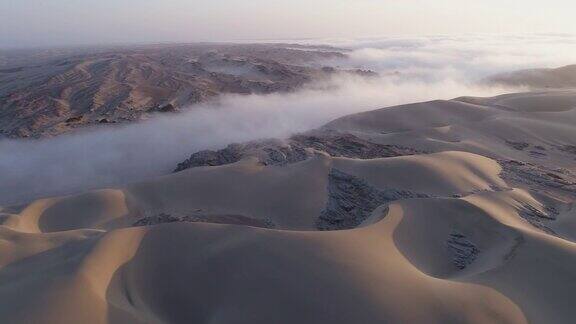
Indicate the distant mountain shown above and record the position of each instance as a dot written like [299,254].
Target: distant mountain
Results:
[45,93]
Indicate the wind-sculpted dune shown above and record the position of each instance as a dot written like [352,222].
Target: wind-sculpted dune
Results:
[562,77]
[458,211]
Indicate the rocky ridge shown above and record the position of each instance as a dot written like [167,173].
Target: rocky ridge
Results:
[164,218]
[295,149]
[46,94]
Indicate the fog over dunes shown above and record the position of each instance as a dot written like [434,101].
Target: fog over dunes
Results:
[409,70]
[112,154]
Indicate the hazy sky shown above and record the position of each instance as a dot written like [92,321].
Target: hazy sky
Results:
[57,22]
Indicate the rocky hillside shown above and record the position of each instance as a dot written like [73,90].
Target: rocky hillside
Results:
[45,93]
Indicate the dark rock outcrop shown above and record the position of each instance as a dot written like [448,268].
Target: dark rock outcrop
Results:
[295,149]
[538,218]
[75,119]
[169,108]
[463,251]
[231,154]
[520,146]
[538,176]
[350,146]
[215,219]
[568,149]
[283,155]
[351,201]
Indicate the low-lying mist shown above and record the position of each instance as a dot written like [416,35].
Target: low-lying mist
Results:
[110,156]
[113,156]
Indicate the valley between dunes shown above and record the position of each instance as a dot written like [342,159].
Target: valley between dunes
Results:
[458,211]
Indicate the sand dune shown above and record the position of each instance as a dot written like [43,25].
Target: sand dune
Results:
[468,219]
[562,77]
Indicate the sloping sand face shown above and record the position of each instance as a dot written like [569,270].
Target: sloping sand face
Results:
[478,230]
[221,273]
[562,77]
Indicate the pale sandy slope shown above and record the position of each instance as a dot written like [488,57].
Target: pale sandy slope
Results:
[78,259]
[562,77]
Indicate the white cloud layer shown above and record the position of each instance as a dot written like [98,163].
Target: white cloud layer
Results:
[467,57]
